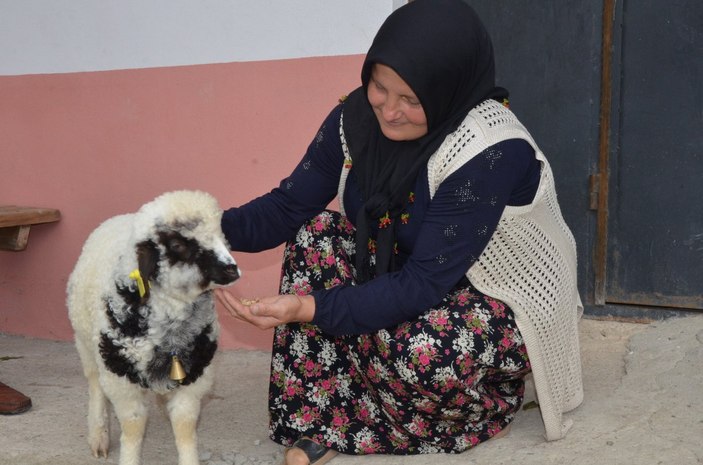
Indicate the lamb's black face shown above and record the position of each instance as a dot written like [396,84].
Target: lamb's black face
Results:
[190,252]
[185,265]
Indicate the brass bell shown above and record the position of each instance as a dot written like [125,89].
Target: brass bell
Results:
[177,371]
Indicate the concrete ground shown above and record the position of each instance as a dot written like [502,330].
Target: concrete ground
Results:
[643,387]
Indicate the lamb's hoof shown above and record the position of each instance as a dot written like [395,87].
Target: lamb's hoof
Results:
[100,443]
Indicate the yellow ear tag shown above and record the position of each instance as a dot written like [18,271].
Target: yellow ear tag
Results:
[137,276]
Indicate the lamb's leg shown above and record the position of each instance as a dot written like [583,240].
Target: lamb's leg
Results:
[98,422]
[184,410]
[130,407]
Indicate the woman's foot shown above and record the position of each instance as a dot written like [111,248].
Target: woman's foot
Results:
[502,433]
[305,451]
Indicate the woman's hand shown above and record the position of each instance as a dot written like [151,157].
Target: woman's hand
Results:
[269,312]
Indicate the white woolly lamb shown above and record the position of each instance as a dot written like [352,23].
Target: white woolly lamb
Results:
[141,305]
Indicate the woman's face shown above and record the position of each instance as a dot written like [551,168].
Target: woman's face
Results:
[395,105]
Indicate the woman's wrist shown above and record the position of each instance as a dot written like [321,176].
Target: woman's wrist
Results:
[307,308]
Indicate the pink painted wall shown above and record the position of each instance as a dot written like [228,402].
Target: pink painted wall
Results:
[99,144]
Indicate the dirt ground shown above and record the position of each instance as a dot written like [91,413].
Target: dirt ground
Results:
[643,389]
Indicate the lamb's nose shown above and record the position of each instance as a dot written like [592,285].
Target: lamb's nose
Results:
[232,271]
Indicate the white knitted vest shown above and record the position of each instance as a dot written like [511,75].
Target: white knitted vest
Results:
[529,263]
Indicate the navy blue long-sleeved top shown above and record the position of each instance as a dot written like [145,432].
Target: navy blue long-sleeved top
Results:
[441,240]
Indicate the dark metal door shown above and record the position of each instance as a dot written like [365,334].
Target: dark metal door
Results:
[655,218]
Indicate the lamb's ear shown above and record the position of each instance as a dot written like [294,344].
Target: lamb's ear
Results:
[147,260]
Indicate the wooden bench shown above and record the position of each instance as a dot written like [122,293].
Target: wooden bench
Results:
[15,223]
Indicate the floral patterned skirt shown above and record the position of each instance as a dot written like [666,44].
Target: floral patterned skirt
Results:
[445,382]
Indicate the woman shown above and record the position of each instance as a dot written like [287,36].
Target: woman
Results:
[384,342]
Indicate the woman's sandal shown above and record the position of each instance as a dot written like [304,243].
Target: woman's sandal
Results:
[315,453]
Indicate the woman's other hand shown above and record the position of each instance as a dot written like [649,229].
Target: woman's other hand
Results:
[269,312]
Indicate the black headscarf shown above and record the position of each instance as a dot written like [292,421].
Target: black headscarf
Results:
[442,51]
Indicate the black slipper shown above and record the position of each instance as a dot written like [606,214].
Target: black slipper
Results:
[313,450]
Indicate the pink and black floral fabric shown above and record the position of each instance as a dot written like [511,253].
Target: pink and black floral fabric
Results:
[445,382]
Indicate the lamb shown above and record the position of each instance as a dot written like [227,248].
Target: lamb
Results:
[140,300]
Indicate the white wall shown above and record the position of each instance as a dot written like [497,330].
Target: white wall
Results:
[57,36]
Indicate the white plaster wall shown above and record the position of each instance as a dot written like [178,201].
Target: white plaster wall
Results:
[58,36]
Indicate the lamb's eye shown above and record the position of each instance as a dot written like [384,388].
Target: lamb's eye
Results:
[178,247]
